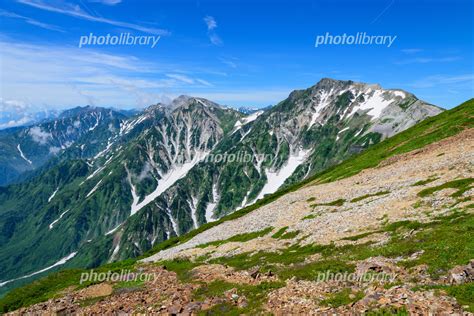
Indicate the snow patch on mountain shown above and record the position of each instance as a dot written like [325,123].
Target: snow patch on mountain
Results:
[127,126]
[341,131]
[60,262]
[98,170]
[374,104]
[101,153]
[57,219]
[23,155]
[173,221]
[113,229]
[275,179]
[399,93]
[324,101]
[252,117]
[193,207]
[94,188]
[97,117]
[177,172]
[52,195]
[212,205]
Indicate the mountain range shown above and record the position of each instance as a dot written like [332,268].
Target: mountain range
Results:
[96,186]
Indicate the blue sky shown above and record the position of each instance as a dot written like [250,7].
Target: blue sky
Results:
[239,53]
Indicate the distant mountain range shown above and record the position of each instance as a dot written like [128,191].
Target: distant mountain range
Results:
[25,149]
[95,185]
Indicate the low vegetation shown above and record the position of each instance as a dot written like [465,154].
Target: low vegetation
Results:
[255,296]
[360,236]
[343,297]
[423,182]
[461,185]
[363,197]
[238,238]
[280,232]
[310,216]
[338,202]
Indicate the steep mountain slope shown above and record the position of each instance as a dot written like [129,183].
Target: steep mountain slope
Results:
[407,199]
[78,202]
[174,168]
[304,134]
[23,150]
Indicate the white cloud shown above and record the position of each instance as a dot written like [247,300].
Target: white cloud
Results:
[39,136]
[210,22]
[211,26]
[31,21]
[54,150]
[215,39]
[72,76]
[14,113]
[76,11]
[12,105]
[19,122]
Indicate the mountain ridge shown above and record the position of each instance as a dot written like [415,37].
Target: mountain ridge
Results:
[412,141]
[145,187]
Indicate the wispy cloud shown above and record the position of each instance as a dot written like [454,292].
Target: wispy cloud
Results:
[71,76]
[31,21]
[76,11]
[211,27]
[204,82]
[445,80]
[210,22]
[215,39]
[107,2]
[182,78]
[383,11]
[231,62]
[426,60]
[189,80]
[412,50]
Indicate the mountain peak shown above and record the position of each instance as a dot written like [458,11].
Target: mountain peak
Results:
[330,82]
[78,110]
[186,101]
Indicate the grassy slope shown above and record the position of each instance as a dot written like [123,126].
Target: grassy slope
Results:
[430,130]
